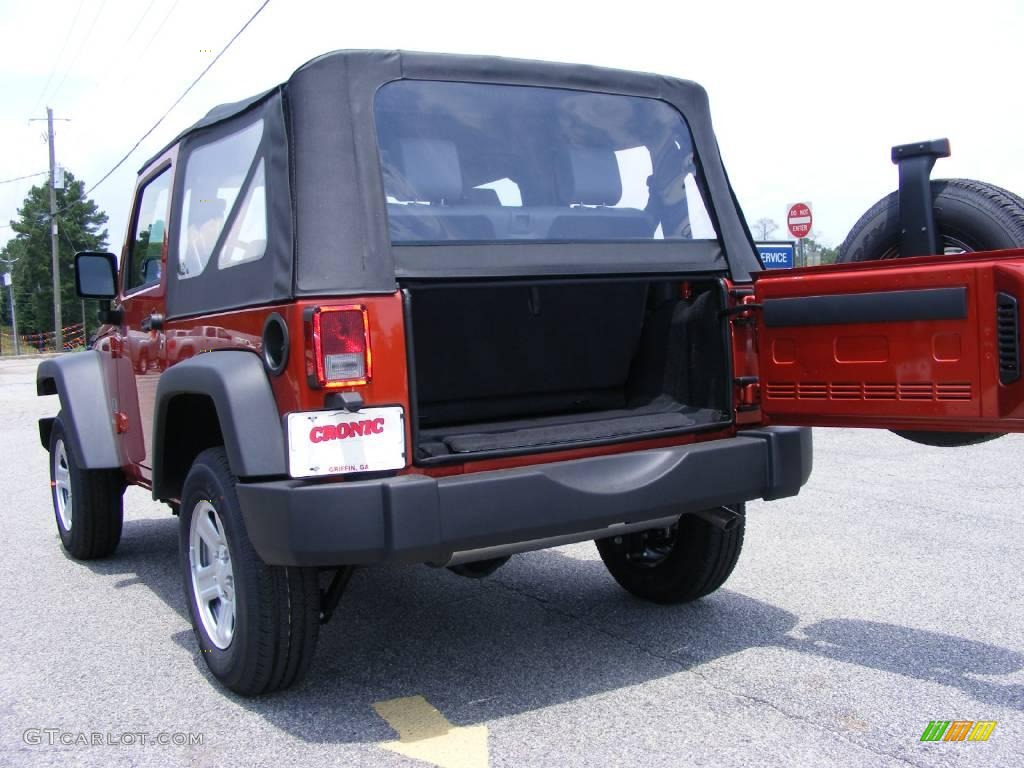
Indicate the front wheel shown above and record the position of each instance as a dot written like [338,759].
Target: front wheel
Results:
[87,503]
[687,561]
[969,216]
[256,624]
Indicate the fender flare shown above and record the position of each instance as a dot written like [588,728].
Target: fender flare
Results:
[237,383]
[85,403]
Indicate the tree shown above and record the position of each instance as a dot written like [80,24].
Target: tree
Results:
[816,252]
[80,228]
[764,228]
[829,255]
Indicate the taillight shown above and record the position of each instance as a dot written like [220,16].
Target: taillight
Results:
[341,346]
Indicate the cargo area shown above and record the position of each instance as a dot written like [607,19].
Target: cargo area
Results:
[521,367]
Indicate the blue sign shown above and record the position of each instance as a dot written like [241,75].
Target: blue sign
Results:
[777,255]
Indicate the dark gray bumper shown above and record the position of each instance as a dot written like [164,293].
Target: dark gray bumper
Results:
[415,518]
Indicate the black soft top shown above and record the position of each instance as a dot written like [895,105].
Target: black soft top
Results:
[337,219]
[216,115]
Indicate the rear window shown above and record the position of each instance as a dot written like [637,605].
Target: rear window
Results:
[478,162]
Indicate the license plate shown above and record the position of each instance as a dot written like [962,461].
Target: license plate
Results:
[337,442]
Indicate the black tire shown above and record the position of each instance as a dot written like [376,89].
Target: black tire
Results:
[969,215]
[692,561]
[972,214]
[276,608]
[93,508]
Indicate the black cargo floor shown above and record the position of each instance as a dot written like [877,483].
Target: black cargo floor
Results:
[662,415]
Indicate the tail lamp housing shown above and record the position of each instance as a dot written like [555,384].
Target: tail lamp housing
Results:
[340,340]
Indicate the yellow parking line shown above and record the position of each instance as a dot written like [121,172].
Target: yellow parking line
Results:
[424,734]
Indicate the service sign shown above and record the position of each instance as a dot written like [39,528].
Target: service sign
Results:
[777,255]
[338,442]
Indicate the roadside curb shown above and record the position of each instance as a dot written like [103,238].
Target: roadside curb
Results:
[35,356]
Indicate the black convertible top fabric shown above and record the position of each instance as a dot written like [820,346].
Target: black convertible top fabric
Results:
[341,239]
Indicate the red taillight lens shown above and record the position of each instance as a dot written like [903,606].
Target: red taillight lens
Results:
[341,346]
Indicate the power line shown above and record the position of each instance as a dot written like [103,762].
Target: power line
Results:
[19,178]
[123,48]
[180,98]
[177,101]
[64,231]
[78,53]
[56,62]
[145,13]
[160,26]
[26,176]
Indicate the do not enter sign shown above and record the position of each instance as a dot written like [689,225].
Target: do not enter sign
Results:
[799,220]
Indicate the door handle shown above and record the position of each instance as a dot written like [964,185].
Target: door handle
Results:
[154,322]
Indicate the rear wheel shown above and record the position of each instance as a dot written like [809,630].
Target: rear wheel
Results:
[257,624]
[87,503]
[969,216]
[691,559]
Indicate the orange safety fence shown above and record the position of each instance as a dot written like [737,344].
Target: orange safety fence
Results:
[45,341]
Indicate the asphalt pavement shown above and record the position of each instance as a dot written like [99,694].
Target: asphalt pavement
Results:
[887,595]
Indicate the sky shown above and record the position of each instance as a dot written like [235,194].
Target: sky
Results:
[806,98]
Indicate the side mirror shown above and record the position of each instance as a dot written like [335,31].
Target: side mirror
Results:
[95,275]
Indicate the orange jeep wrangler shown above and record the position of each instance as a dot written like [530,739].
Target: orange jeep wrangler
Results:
[417,308]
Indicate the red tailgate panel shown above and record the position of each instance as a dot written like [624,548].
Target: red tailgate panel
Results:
[904,344]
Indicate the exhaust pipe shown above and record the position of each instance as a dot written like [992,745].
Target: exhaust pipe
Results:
[723,518]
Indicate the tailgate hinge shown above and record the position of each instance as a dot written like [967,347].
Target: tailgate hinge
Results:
[742,313]
[749,398]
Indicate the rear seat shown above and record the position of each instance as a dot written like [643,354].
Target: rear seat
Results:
[594,179]
[431,174]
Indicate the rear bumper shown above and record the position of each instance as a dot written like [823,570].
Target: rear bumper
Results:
[415,518]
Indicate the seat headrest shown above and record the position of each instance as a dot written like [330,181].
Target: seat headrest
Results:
[482,196]
[595,176]
[431,169]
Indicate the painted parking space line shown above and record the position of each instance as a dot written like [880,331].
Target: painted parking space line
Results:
[424,734]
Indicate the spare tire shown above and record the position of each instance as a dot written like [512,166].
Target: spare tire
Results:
[969,216]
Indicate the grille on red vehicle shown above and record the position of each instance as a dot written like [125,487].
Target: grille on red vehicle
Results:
[907,391]
[1008,338]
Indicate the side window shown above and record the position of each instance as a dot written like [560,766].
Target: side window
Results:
[214,174]
[247,240]
[149,234]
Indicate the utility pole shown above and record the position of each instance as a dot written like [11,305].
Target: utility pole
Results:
[54,253]
[8,279]
[54,257]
